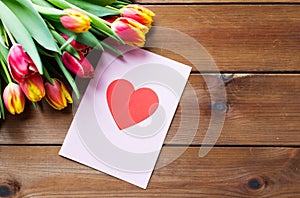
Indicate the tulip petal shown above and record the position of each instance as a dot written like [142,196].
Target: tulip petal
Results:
[33,87]
[13,97]
[57,95]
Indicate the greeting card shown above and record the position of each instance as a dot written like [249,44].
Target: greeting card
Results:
[125,113]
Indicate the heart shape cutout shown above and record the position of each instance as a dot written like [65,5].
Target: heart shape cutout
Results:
[129,106]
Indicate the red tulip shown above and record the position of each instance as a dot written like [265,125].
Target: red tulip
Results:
[75,21]
[81,68]
[138,13]
[13,98]
[20,64]
[57,95]
[131,31]
[33,87]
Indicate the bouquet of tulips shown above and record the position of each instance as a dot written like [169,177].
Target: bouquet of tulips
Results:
[44,40]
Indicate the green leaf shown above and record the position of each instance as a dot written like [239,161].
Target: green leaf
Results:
[3,36]
[101,2]
[2,115]
[42,3]
[61,41]
[94,9]
[50,13]
[21,34]
[33,22]
[89,39]
[43,52]
[67,75]
[3,53]
[3,74]
[47,76]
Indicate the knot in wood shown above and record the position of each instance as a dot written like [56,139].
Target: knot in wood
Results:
[5,191]
[255,184]
[9,187]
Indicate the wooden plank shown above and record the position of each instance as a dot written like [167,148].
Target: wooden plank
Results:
[239,172]
[262,110]
[238,37]
[214,1]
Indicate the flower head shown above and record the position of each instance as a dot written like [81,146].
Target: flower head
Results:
[33,87]
[20,64]
[13,98]
[81,67]
[76,21]
[131,31]
[138,13]
[57,95]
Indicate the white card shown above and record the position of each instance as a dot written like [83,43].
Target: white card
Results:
[125,113]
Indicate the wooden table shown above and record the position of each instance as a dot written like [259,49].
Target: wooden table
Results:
[258,152]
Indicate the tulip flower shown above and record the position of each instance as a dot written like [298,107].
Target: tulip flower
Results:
[81,67]
[20,64]
[13,98]
[75,21]
[138,13]
[57,95]
[77,46]
[131,31]
[33,87]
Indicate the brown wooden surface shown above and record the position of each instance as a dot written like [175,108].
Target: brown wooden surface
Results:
[262,110]
[257,154]
[271,172]
[238,37]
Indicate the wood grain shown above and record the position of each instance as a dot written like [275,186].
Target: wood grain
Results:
[240,172]
[261,110]
[238,37]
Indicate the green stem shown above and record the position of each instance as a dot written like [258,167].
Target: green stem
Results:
[9,34]
[6,71]
[71,38]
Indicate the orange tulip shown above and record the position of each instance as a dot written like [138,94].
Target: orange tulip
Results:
[138,13]
[75,21]
[33,87]
[13,98]
[57,95]
[132,32]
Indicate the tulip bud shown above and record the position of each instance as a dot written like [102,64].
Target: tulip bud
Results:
[77,46]
[132,32]
[57,95]
[75,21]
[138,13]
[20,64]
[33,87]
[81,68]
[13,98]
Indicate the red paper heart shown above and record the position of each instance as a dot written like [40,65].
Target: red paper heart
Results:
[129,106]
